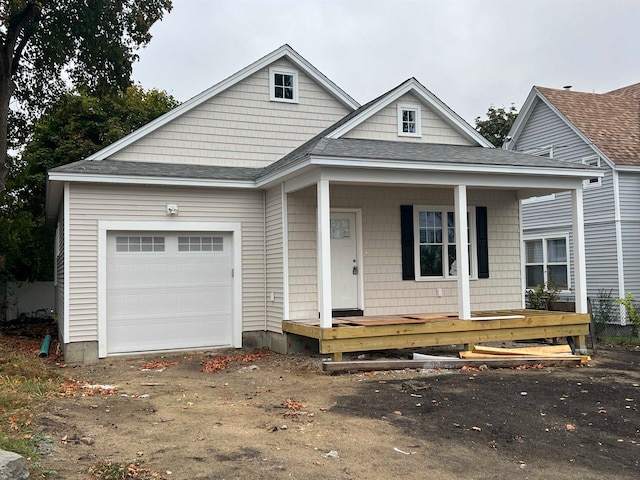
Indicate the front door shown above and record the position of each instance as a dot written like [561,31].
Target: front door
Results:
[345,268]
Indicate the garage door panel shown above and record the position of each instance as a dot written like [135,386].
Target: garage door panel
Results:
[168,299]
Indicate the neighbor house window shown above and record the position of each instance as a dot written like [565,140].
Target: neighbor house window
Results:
[546,263]
[283,85]
[409,120]
[546,152]
[592,162]
[435,243]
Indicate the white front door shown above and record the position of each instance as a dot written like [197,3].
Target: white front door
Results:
[345,268]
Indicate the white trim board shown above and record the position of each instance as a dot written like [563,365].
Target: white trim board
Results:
[106,226]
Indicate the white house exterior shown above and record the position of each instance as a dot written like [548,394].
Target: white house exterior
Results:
[275,196]
[586,129]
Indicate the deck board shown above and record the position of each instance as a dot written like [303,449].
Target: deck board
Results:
[382,332]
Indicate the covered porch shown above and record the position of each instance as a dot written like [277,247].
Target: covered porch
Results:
[382,332]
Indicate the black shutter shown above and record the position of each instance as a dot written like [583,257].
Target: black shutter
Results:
[406,235]
[483,242]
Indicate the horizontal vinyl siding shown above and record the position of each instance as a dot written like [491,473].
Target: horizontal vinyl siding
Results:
[274,259]
[385,291]
[59,266]
[543,129]
[384,126]
[91,203]
[240,126]
[630,214]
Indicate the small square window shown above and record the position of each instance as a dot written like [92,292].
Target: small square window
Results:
[595,181]
[283,85]
[409,120]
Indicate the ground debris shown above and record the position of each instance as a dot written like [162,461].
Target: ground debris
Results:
[72,388]
[222,362]
[158,365]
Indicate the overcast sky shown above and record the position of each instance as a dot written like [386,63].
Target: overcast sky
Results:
[469,53]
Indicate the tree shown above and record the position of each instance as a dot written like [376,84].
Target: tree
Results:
[77,126]
[497,125]
[48,45]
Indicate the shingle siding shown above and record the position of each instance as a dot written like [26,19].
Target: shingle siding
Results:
[384,290]
[240,126]
[91,203]
[384,126]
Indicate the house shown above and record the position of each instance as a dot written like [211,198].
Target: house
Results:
[597,129]
[274,200]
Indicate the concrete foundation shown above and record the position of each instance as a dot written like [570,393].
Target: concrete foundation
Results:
[280,342]
[79,353]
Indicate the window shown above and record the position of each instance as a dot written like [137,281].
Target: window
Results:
[544,198]
[200,244]
[283,85]
[409,120]
[435,243]
[546,152]
[139,244]
[546,263]
[595,181]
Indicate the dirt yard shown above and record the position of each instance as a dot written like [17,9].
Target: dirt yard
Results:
[282,417]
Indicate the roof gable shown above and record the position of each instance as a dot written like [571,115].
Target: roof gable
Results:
[609,122]
[422,95]
[284,52]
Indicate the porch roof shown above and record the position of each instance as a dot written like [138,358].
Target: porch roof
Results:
[419,153]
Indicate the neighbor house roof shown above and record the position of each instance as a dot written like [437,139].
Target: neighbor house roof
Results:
[611,121]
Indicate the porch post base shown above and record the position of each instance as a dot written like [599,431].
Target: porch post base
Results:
[469,346]
[336,356]
[581,344]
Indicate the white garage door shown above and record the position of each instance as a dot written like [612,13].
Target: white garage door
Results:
[168,290]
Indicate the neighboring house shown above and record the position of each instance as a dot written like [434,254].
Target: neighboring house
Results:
[601,130]
[274,196]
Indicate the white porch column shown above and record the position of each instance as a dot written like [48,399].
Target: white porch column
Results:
[579,262]
[324,253]
[462,252]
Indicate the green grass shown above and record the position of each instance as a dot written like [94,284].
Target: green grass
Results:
[25,383]
[622,340]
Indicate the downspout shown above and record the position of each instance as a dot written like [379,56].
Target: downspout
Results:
[264,254]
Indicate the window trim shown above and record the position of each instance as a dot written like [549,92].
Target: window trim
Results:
[545,238]
[589,183]
[540,199]
[541,152]
[473,242]
[418,121]
[273,71]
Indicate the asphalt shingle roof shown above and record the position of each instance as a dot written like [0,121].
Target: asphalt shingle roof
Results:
[161,170]
[610,120]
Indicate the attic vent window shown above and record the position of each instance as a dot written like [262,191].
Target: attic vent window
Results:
[283,85]
[409,121]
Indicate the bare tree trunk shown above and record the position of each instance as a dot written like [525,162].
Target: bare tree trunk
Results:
[11,50]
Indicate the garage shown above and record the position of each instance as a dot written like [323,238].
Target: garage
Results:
[168,290]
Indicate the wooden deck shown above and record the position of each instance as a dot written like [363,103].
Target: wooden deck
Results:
[355,334]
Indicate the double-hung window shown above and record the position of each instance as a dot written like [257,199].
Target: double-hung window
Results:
[283,85]
[435,243]
[409,120]
[547,262]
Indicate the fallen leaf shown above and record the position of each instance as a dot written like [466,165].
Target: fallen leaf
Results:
[570,428]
